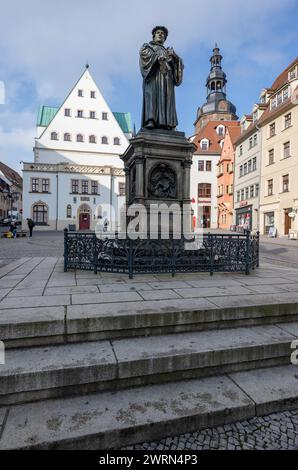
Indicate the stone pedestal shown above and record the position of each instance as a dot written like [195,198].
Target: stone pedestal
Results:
[157,166]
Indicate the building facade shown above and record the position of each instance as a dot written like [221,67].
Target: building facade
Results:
[212,121]
[279,169]
[225,178]
[77,176]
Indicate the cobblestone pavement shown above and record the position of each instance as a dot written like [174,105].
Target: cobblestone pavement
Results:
[278,431]
[41,244]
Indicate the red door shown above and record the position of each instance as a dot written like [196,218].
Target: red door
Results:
[84,221]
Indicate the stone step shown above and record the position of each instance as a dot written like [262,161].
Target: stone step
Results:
[25,327]
[63,370]
[108,420]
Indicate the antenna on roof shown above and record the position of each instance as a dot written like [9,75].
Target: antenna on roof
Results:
[87,65]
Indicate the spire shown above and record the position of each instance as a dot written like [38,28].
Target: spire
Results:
[216,80]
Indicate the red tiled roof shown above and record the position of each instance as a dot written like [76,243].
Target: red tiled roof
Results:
[283,77]
[234,133]
[209,132]
[12,175]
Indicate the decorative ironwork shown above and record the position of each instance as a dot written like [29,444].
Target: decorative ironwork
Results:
[208,253]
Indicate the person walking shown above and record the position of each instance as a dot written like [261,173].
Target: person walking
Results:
[31,224]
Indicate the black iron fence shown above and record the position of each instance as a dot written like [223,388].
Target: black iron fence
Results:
[206,253]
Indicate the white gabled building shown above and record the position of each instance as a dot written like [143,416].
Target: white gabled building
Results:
[77,175]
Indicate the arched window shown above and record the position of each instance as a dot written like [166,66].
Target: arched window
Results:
[218,85]
[92,139]
[54,136]
[104,140]
[80,138]
[212,86]
[68,211]
[40,214]
[67,137]
[204,144]
[116,141]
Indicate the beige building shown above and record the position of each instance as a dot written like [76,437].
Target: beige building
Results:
[279,163]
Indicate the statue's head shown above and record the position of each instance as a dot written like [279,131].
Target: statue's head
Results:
[160,34]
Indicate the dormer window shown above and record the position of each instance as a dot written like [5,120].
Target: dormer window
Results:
[220,130]
[255,116]
[204,144]
[292,73]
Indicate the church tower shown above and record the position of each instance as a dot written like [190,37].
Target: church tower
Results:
[217,107]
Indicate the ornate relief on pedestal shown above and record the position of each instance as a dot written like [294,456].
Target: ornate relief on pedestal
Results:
[163,182]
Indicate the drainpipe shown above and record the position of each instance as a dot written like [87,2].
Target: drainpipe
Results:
[111,197]
[260,161]
[57,194]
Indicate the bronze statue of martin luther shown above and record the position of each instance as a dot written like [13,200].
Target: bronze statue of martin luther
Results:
[162,70]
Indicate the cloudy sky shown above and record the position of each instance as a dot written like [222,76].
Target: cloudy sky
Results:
[45,45]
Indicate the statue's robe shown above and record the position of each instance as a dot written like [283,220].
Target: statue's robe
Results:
[159,81]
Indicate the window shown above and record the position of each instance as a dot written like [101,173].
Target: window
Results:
[92,94]
[250,143]
[104,140]
[242,194]
[208,165]
[241,150]
[272,129]
[273,103]
[249,166]
[269,187]
[45,185]
[292,74]
[279,98]
[201,165]
[288,120]
[255,139]
[285,94]
[80,138]
[220,130]
[257,189]
[67,112]
[121,189]
[245,168]
[40,213]
[204,190]
[75,186]
[246,192]
[92,139]
[80,113]
[116,141]
[241,170]
[286,150]
[104,116]
[254,163]
[80,93]
[204,144]
[255,116]
[270,156]
[252,190]
[285,183]
[68,211]
[54,136]
[67,137]
[85,187]
[92,115]
[238,196]
[94,187]
[34,185]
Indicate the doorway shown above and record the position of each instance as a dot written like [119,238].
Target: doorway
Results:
[84,221]
[206,216]
[288,221]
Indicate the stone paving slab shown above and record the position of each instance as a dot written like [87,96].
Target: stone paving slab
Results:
[270,387]
[289,328]
[4,270]
[107,420]
[162,294]
[42,301]
[212,291]
[56,366]
[124,287]
[84,299]
[50,291]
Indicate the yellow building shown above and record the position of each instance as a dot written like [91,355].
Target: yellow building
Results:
[279,150]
